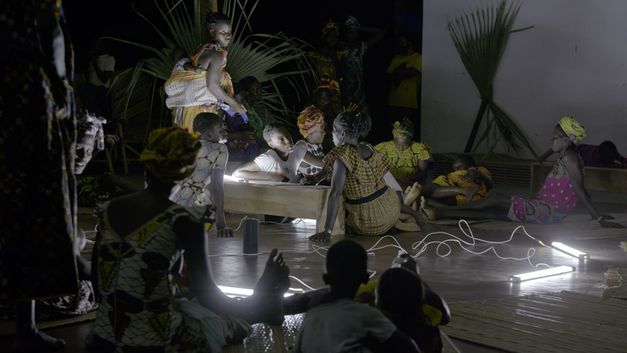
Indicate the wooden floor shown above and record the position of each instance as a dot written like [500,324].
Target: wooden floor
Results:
[459,276]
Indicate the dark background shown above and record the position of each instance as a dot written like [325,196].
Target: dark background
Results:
[90,20]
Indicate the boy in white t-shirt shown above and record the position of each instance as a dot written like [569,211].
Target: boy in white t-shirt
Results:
[340,324]
[281,161]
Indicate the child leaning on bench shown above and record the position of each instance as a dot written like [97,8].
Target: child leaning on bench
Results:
[281,161]
[204,187]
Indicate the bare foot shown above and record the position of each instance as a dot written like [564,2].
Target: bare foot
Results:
[427,211]
[37,342]
[275,277]
[414,206]
[470,193]
[413,194]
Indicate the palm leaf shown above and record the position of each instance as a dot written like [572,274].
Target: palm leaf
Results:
[480,38]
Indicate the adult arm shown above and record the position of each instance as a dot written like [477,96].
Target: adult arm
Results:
[252,171]
[545,155]
[300,148]
[338,181]
[426,171]
[574,168]
[378,34]
[211,61]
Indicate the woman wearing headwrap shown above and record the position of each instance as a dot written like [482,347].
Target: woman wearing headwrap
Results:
[411,161]
[325,102]
[312,126]
[555,200]
[139,238]
[327,58]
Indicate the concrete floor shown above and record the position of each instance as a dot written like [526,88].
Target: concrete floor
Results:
[458,276]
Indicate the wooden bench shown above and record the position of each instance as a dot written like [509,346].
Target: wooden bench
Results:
[597,179]
[281,199]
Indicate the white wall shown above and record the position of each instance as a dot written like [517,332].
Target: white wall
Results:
[573,62]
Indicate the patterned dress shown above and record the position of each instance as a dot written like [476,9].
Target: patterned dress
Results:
[138,311]
[553,202]
[456,179]
[372,208]
[184,116]
[405,164]
[37,144]
[352,85]
[193,191]
[317,151]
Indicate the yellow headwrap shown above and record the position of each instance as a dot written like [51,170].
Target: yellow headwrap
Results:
[402,129]
[170,153]
[309,120]
[572,127]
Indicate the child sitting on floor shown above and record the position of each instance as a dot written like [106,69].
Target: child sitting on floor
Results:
[412,305]
[204,187]
[281,161]
[339,324]
[467,182]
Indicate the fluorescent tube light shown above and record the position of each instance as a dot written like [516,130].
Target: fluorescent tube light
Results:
[552,271]
[570,251]
[245,292]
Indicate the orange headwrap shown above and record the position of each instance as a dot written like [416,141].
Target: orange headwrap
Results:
[328,83]
[309,120]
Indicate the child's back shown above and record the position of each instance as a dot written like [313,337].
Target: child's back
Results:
[341,324]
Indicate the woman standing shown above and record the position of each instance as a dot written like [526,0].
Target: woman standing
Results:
[209,87]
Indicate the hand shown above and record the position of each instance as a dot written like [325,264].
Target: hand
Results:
[472,175]
[111,139]
[238,108]
[352,107]
[225,232]
[321,237]
[608,224]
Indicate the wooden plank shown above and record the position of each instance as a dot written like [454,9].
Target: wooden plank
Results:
[281,199]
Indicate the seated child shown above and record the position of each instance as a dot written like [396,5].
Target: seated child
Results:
[339,324]
[467,182]
[204,186]
[312,126]
[281,161]
[411,305]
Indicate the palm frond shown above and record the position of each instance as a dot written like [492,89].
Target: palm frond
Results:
[480,38]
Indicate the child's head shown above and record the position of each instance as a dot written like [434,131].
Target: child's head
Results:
[347,267]
[278,137]
[219,27]
[210,127]
[608,152]
[403,131]
[326,94]
[350,125]
[89,135]
[463,162]
[249,87]
[177,54]
[312,126]
[400,292]
[567,132]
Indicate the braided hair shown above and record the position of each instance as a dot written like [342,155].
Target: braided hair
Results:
[214,18]
[355,124]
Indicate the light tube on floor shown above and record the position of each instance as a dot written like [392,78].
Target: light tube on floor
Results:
[570,251]
[232,178]
[245,292]
[552,271]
